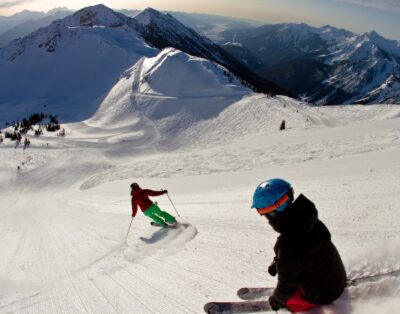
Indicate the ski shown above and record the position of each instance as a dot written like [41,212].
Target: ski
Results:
[254,293]
[236,307]
[153,223]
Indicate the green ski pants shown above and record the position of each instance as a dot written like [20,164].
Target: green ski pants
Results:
[157,215]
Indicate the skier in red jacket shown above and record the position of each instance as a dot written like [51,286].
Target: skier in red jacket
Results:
[141,197]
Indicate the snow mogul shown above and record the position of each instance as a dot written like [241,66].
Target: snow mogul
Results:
[141,197]
[309,268]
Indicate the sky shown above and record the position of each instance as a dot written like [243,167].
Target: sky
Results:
[359,16]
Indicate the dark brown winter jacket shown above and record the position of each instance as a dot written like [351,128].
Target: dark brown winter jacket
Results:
[305,256]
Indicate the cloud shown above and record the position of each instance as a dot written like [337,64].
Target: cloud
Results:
[9,4]
[383,5]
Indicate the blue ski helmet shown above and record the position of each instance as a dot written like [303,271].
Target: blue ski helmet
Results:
[271,195]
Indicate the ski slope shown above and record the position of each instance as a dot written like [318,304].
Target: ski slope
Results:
[66,212]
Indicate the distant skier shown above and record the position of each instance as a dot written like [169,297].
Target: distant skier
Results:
[282,126]
[141,197]
[310,270]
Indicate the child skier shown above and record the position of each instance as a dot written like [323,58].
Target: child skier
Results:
[141,197]
[309,268]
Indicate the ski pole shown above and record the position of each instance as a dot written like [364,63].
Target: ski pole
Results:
[173,205]
[126,238]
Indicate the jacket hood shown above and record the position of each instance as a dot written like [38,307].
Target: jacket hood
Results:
[299,218]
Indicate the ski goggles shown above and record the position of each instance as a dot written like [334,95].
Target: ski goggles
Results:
[271,209]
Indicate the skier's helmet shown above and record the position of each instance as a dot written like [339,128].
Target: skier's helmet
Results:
[272,195]
[134,186]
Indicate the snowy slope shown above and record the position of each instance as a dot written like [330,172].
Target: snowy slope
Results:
[65,213]
[173,89]
[174,73]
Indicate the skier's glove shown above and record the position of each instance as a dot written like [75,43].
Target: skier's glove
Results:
[275,305]
[165,191]
[272,269]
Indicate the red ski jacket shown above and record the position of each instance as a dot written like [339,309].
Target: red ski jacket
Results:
[141,197]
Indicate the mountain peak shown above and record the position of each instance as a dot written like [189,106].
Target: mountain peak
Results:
[97,15]
[150,10]
[25,12]
[58,9]
[390,46]
[150,15]
[295,26]
[374,35]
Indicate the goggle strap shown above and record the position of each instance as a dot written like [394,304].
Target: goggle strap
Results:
[275,206]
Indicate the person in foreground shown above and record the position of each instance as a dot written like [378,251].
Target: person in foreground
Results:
[309,268]
[141,197]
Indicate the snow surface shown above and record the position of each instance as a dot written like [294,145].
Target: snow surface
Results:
[169,120]
[66,212]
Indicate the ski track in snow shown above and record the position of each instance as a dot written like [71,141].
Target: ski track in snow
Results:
[65,213]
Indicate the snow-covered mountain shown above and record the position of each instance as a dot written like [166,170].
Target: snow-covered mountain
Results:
[207,25]
[173,90]
[326,65]
[360,67]
[330,34]
[274,44]
[162,30]
[73,63]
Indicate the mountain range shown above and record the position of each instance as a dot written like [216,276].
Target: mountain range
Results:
[22,24]
[323,65]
